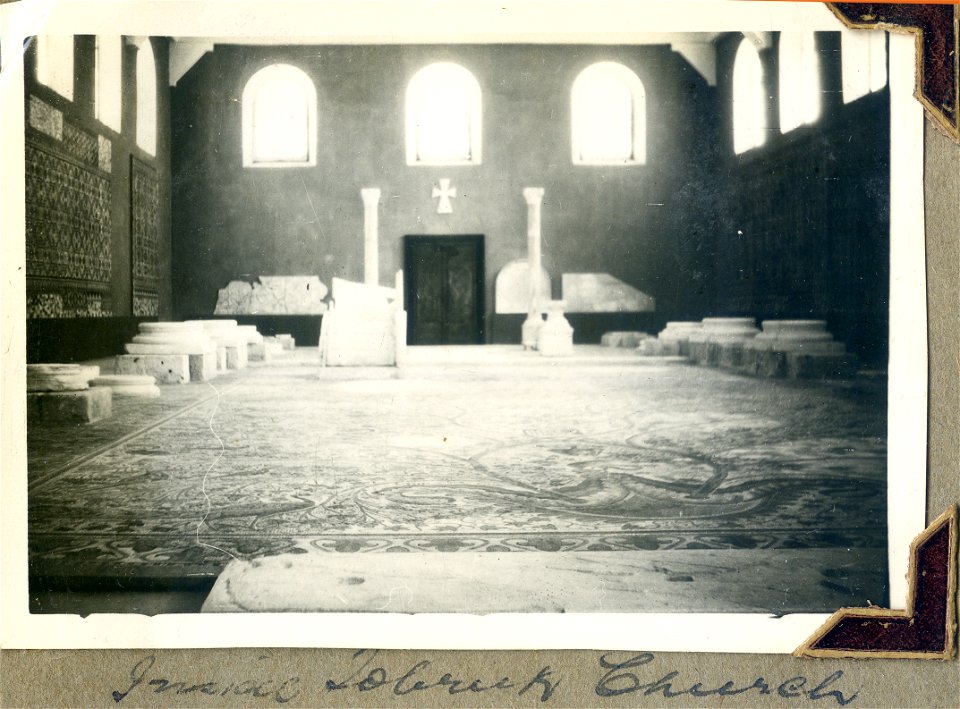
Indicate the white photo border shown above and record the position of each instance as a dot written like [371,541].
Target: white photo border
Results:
[448,21]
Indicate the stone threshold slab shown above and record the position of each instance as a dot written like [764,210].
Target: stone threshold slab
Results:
[758,581]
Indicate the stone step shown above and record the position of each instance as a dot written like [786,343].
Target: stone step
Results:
[545,582]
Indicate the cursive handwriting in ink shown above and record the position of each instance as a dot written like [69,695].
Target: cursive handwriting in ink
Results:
[369,677]
[619,679]
[279,692]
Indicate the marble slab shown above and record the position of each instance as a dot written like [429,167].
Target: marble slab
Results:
[513,288]
[704,580]
[603,293]
[273,295]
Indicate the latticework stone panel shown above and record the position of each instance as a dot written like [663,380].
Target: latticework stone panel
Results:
[144,220]
[68,233]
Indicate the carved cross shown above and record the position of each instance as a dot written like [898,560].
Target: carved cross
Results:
[444,192]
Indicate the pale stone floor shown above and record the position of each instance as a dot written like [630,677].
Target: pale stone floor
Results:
[701,489]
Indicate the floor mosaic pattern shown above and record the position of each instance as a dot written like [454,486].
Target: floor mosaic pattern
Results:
[604,455]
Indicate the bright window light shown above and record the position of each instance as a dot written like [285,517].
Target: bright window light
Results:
[279,118]
[864,57]
[799,80]
[146,98]
[55,63]
[608,116]
[443,116]
[749,99]
[108,81]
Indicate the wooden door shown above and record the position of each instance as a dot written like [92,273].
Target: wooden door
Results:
[444,282]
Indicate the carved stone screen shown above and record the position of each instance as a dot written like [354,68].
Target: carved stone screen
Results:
[68,228]
[144,233]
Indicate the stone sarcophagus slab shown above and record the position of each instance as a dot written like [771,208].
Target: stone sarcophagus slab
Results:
[603,293]
[513,288]
[273,295]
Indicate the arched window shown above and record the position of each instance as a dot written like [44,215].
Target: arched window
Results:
[279,118]
[55,63]
[799,80]
[146,97]
[108,81]
[864,57]
[443,116]
[608,117]
[749,99]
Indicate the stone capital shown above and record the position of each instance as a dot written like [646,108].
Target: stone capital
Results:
[533,195]
[371,196]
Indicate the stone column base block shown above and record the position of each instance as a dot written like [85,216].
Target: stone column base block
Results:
[530,331]
[696,350]
[128,384]
[59,377]
[766,364]
[258,352]
[555,342]
[650,348]
[166,369]
[623,339]
[203,367]
[731,355]
[68,407]
[221,359]
[287,341]
[236,356]
[820,366]
[710,354]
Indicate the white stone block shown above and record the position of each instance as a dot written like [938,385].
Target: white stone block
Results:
[250,332]
[166,369]
[60,377]
[530,331]
[203,367]
[808,336]
[623,339]
[555,337]
[66,407]
[128,384]
[259,352]
[168,347]
[236,356]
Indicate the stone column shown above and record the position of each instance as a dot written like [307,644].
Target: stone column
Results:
[531,327]
[371,252]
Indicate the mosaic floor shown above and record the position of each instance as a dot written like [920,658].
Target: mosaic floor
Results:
[507,454]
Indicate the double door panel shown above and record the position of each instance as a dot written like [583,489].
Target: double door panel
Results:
[444,283]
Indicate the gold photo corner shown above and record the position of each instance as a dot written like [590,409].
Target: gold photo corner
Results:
[925,630]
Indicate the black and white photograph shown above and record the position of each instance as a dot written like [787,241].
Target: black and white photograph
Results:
[543,323]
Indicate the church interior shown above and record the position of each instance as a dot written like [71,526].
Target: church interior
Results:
[365,239]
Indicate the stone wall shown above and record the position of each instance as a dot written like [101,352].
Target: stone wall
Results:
[803,226]
[97,212]
[638,223]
